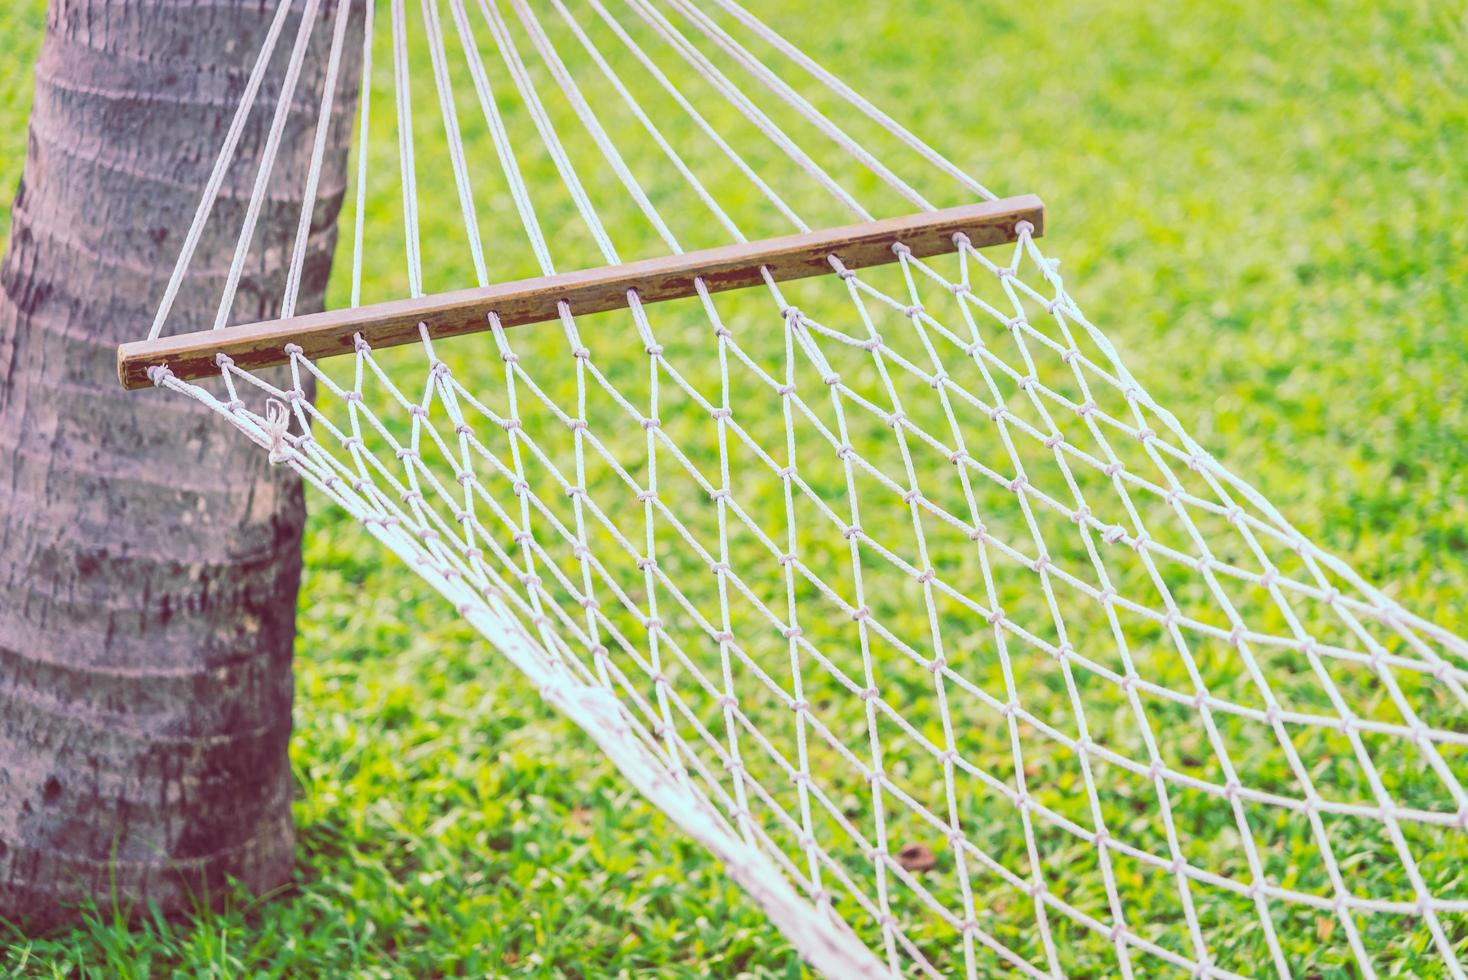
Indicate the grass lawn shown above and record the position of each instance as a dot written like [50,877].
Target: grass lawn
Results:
[1264,209]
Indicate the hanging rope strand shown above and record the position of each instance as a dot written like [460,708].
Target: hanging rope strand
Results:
[543,126]
[753,113]
[604,143]
[221,166]
[318,154]
[794,99]
[698,119]
[642,117]
[359,216]
[450,113]
[267,162]
[855,98]
[407,166]
[510,166]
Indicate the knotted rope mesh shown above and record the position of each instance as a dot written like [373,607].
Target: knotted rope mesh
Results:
[894,587]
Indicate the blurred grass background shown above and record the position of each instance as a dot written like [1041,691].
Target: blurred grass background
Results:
[1263,205]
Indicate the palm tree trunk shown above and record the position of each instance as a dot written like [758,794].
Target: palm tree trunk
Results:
[149,563]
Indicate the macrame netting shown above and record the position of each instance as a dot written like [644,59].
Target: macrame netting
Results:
[893,587]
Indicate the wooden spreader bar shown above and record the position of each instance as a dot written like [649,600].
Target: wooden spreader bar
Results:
[256,345]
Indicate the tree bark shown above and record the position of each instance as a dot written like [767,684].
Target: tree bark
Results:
[149,562]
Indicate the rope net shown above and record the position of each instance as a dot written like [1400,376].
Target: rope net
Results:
[893,587]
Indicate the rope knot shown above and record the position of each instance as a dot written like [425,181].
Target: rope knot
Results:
[277,425]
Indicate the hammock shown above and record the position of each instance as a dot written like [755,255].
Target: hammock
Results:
[826,512]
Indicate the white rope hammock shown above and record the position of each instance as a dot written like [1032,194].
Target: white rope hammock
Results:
[892,587]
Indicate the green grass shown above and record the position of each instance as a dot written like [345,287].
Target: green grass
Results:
[1262,206]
